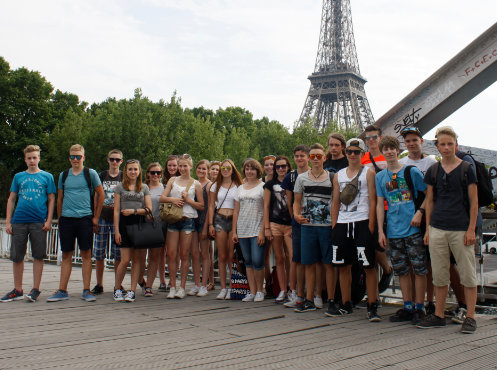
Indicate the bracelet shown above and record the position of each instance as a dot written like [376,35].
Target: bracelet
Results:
[211,225]
[422,210]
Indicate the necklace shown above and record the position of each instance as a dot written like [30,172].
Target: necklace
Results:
[318,176]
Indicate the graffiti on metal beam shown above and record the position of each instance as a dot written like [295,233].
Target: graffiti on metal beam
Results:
[409,120]
[481,61]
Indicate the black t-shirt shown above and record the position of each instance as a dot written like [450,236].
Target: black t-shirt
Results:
[449,202]
[278,208]
[109,183]
[335,165]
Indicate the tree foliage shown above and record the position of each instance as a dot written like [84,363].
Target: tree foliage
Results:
[32,113]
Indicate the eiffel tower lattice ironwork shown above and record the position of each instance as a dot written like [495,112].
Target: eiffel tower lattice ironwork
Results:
[337,87]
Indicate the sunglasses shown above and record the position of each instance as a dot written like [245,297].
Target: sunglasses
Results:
[353,151]
[115,160]
[372,137]
[225,168]
[408,130]
[73,157]
[157,173]
[215,162]
[281,166]
[269,157]
[132,161]
[315,156]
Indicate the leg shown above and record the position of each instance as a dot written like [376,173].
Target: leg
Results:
[455,283]
[86,268]
[65,270]
[153,264]
[172,241]
[345,273]
[320,275]
[138,257]
[258,260]
[185,242]
[267,264]
[162,264]
[310,280]
[99,271]
[37,272]
[280,262]
[123,266]
[290,267]
[371,284]
[300,279]
[222,255]
[246,247]
[195,252]
[18,269]
[440,297]
[420,288]
[471,294]
[206,261]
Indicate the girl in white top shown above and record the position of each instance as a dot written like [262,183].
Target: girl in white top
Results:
[152,179]
[180,233]
[220,218]
[248,227]
[214,168]
[200,242]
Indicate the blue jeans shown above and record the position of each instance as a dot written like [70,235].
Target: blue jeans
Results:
[253,253]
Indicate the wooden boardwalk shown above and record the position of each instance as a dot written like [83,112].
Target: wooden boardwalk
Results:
[204,332]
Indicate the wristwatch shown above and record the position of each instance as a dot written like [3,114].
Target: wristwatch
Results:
[422,210]
[136,212]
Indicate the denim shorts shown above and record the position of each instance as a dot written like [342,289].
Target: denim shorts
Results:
[223,223]
[186,226]
[253,253]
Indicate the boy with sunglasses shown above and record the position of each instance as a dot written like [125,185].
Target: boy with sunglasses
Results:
[353,221]
[312,210]
[110,179]
[77,220]
[406,246]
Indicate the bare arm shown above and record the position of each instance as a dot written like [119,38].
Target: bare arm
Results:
[469,236]
[60,200]
[370,176]
[117,214]
[11,202]
[380,215]
[428,204]
[99,201]
[235,220]
[265,223]
[297,209]
[165,194]
[210,213]
[199,204]
[335,204]
[50,207]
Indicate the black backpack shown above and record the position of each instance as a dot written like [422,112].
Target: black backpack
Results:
[86,172]
[484,182]
[418,196]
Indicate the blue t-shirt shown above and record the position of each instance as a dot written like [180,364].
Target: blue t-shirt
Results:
[32,190]
[400,200]
[77,200]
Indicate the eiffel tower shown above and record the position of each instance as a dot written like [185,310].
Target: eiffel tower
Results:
[337,87]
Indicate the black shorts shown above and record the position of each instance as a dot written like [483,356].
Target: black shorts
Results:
[351,243]
[75,228]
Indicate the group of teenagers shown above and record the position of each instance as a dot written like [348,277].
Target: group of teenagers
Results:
[340,207]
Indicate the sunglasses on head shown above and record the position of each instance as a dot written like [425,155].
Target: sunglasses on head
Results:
[115,160]
[158,173]
[269,157]
[281,166]
[73,157]
[353,151]
[215,162]
[408,130]
[372,137]
[315,156]
[132,161]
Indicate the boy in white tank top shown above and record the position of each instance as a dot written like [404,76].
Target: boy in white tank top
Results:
[353,222]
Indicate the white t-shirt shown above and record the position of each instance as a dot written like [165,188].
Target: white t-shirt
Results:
[225,200]
[251,212]
[422,164]
[358,210]
[176,190]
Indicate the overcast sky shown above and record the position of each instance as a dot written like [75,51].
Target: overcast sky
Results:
[255,54]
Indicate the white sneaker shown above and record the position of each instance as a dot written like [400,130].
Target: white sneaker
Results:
[202,292]
[172,293]
[180,293]
[222,293]
[194,290]
[318,302]
[118,295]
[248,298]
[259,297]
[228,294]
[281,297]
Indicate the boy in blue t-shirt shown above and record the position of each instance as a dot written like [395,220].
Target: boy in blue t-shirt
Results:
[403,220]
[77,219]
[35,190]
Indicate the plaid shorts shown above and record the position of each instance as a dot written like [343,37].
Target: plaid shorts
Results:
[100,247]
[406,252]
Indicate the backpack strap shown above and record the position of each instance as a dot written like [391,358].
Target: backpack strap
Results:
[408,178]
[376,168]
[64,178]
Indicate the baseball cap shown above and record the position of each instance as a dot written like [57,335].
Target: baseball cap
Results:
[356,142]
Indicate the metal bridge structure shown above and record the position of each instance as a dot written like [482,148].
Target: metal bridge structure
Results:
[337,87]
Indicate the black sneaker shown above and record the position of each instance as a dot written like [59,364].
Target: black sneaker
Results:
[431,321]
[33,295]
[401,316]
[385,281]
[450,313]
[335,311]
[373,313]
[417,317]
[162,287]
[468,326]
[13,295]
[430,308]
[306,306]
[123,290]
[97,289]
